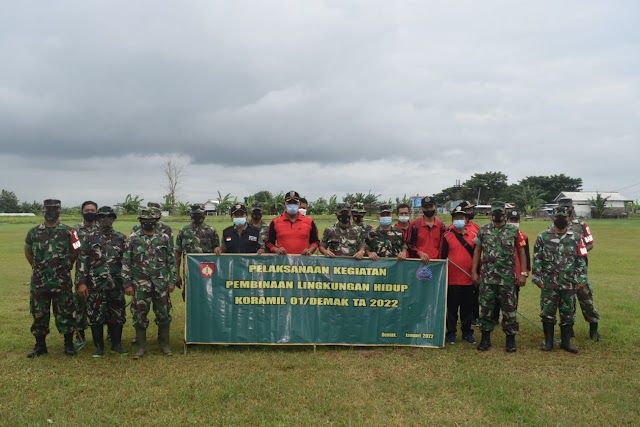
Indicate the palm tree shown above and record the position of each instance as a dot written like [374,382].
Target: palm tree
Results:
[599,204]
[131,205]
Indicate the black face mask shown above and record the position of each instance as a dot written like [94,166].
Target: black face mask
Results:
[429,213]
[51,215]
[561,223]
[148,225]
[106,223]
[344,218]
[89,216]
[256,216]
[357,218]
[497,217]
[197,219]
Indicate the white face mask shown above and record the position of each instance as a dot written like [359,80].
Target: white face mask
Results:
[403,218]
[516,224]
[302,211]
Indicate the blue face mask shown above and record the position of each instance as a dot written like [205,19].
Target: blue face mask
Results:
[292,209]
[385,220]
[459,223]
[239,222]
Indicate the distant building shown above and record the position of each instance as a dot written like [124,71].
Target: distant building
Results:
[583,207]
[211,207]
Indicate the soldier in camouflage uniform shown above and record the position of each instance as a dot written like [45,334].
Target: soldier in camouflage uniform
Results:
[559,268]
[88,224]
[257,222]
[149,276]
[51,250]
[386,240]
[100,284]
[195,238]
[343,238]
[156,210]
[495,257]
[358,212]
[584,294]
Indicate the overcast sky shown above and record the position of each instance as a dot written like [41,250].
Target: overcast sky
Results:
[323,97]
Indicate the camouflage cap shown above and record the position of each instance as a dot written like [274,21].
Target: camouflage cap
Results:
[54,203]
[343,207]
[458,210]
[238,207]
[560,211]
[565,201]
[257,207]
[292,195]
[147,214]
[358,207]
[497,205]
[513,214]
[155,205]
[385,208]
[428,200]
[197,209]
[107,211]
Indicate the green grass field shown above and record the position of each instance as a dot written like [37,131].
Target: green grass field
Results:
[280,386]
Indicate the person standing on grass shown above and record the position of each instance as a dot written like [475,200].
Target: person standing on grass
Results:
[342,238]
[404,219]
[51,249]
[495,257]
[257,222]
[292,233]
[100,284]
[358,212]
[425,235]
[241,237]
[386,240]
[559,270]
[584,294]
[149,276]
[458,247]
[88,224]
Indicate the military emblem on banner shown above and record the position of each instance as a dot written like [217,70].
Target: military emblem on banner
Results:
[424,273]
[207,269]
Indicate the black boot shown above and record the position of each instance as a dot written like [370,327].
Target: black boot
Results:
[69,349]
[40,348]
[565,334]
[485,342]
[81,339]
[116,339]
[163,339]
[593,331]
[511,344]
[548,336]
[141,335]
[97,331]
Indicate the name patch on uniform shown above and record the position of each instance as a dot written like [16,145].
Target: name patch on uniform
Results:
[253,238]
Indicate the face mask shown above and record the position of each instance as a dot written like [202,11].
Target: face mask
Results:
[561,223]
[89,216]
[302,211]
[256,216]
[293,209]
[51,215]
[148,225]
[403,218]
[470,216]
[497,217]
[197,219]
[429,213]
[105,223]
[385,220]
[344,218]
[357,218]
[459,223]
[239,222]
[515,224]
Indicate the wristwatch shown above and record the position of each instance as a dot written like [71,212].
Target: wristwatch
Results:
[525,274]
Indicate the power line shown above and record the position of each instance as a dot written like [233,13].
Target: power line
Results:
[628,187]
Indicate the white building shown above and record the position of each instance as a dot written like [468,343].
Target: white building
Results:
[211,207]
[582,202]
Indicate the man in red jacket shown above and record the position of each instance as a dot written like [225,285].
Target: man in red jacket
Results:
[457,246]
[425,234]
[292,233]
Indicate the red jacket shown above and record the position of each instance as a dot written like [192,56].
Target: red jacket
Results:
[455,251]
[423,238]
[294,236]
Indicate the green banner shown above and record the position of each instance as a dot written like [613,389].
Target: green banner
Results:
[249,299]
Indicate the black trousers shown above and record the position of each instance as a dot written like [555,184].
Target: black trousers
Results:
[460,298]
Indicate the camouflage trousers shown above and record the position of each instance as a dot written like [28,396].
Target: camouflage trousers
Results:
[106,306]
[492,296]
[41,300]
[561,300]
[145,295]
[585,298]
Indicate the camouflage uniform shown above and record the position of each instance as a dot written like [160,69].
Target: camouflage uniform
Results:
[558,266]
[51,278]
[358,208]
[585,295]
[197,239]
[498,276]
[149,265]
[79,303]
[161,228]
[386,243]
[342,241]
[100,269]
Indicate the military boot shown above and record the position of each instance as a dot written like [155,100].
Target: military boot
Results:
[40,348]
[565,335]
[485,342]
[81,339]
[593,331]
[141,337]
[548,336]
[116,339]
[97,331]
[511,344]
[163,339]
[69,348]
